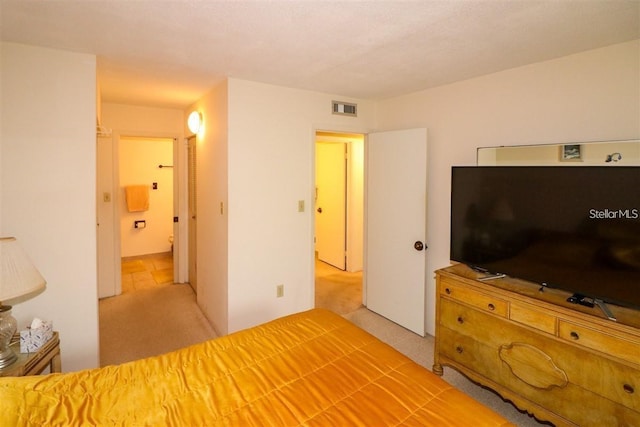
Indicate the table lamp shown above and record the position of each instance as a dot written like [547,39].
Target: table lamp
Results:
[18,277]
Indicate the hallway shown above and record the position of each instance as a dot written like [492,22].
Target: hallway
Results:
[337,290]
[152,315]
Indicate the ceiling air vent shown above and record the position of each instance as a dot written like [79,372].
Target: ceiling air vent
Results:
[344,108]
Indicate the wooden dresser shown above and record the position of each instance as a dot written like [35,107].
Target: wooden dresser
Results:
[561,362]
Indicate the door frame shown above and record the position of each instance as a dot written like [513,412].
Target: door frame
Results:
[191,217]
[107,250]
[179,198]
[365,133]
[342,131]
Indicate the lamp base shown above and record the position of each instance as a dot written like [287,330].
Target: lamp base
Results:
[8,327]
[7,357]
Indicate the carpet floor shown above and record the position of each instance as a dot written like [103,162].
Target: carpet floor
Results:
[149,322]
[337,290]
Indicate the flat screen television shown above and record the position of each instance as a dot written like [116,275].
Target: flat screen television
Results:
[575,228]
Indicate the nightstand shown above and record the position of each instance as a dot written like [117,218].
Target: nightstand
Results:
[34,363]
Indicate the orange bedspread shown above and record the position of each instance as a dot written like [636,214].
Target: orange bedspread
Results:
[314,369]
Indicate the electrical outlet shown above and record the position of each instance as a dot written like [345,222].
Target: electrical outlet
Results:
[279,291]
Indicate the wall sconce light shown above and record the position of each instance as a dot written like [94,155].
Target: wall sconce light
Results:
[194,122]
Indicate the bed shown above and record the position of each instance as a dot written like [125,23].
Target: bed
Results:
[313,369]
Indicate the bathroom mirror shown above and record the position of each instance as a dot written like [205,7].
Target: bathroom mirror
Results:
[613,153]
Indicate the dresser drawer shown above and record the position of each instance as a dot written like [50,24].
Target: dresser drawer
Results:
[538,366]
[559,364]
[600,341]
[533,317]
[482,363]
[616,382]
[466,295]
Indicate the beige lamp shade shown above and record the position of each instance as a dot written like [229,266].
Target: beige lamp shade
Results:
[18,276]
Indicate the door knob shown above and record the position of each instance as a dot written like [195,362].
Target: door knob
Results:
[319,210]
[418,246]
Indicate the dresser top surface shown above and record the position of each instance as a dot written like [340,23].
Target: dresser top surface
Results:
[550,298]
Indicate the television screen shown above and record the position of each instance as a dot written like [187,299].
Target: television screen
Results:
[575,228]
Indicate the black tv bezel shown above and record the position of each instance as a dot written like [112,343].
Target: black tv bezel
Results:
[485,268]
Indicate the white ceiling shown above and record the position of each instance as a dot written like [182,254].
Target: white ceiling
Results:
[169,53]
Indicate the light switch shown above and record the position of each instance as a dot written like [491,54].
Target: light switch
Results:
[300,205]
[106,197]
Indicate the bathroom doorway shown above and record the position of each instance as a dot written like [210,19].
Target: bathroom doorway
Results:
[146,206]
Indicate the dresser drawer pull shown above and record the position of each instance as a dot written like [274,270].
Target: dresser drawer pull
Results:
[447,291]
[628,388]
[460,320]
[459,349]
[491,307]
[574,335]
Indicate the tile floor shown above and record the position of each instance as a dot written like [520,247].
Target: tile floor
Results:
[146,271]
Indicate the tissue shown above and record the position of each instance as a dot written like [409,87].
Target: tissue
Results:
[35,336]
[36,323]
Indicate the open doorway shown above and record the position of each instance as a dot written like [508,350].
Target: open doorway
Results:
[146,176]
[339,218]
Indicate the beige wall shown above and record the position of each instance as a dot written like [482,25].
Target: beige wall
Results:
[134,120]
[255,157]
[271,146]
[212,206]
[589,96]
[47,188]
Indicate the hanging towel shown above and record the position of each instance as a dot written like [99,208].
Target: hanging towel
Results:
[137,197]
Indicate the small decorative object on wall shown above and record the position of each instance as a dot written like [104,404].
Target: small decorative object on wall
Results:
[613,157]
[570,153]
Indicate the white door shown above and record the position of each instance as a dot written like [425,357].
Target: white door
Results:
[193,254]
[396,208]
[331,203]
